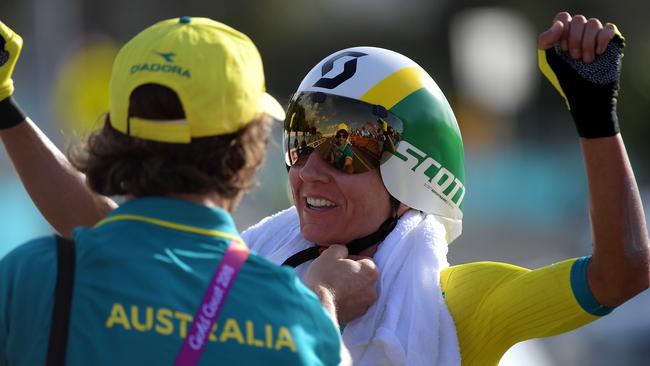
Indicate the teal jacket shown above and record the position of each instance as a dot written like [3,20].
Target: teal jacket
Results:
[140,276]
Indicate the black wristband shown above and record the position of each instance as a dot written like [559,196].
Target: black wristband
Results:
[601,120]
[10,113]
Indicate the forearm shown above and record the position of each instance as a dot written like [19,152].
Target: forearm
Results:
[56,187]
[327,300]
[620,262]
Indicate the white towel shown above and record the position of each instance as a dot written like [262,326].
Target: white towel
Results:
[409,324]
[277,238]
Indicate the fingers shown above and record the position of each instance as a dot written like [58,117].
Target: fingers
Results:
[365,265]
[369,268]
[583,39]
[575,36]
[565,19]
[335,251]
[592,28]
[604,36]
[552,36]
[356,257]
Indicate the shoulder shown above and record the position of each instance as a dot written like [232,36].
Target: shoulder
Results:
[283,285]
[27,280]
[262,266]
[501,304]
[497,274]
[281,279]
[481,272]
[29,268]
[32,259]
[272,231]
[562,281]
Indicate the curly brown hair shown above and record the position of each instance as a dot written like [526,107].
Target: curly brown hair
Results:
[118,164]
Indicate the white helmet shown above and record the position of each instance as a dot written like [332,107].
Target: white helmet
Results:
[398,120]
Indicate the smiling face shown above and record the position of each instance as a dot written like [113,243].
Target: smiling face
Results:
[335,207]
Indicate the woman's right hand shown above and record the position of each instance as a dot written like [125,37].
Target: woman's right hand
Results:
[349,283]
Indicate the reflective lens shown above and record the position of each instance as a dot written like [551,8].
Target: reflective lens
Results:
[351,135]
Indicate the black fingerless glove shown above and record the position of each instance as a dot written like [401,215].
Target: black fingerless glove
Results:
[589,90]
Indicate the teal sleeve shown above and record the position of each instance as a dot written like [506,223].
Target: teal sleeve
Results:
[581,289]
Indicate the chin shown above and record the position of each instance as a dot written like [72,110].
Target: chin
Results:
[315,236]
[319,235]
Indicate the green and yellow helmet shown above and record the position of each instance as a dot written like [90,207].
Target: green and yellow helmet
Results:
[398,120]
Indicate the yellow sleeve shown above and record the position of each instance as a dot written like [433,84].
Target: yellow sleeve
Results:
[495,305]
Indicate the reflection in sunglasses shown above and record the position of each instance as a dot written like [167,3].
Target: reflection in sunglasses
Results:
[349,135]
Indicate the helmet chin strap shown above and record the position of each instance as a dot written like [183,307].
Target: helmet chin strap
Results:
[356,246]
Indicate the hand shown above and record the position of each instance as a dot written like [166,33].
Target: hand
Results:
[581,37]
[350,282]
[582,59]
[10,46]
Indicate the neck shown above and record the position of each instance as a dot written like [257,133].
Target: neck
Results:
[209,200]
[370,251]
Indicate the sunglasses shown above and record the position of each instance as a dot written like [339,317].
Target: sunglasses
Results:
[317,121]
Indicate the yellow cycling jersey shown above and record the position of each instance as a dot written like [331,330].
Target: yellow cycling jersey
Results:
[496,305]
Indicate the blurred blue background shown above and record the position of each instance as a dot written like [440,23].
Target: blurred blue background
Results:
[526,198]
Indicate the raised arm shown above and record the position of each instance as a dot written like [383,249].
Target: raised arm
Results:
[56,187]
[619,267]
[587,76]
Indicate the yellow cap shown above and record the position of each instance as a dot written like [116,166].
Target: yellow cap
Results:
[215,70]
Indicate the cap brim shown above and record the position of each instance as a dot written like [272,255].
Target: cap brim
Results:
[272,107]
